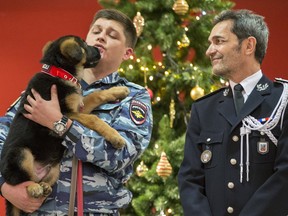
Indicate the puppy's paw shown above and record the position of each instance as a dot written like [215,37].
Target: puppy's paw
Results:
[119,92]
[47,190]
[35,190]
[117,141]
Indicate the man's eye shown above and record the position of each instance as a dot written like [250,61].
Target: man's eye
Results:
[113,36]
[219,41]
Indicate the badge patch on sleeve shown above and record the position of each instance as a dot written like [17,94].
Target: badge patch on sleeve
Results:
[138,112]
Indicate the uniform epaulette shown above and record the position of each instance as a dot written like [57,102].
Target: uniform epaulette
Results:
[281,80]
[212,93]
[134,85]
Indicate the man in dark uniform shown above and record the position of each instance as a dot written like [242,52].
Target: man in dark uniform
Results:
[236,151]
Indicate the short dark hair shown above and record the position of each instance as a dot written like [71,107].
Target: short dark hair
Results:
[123,19]
[245,24]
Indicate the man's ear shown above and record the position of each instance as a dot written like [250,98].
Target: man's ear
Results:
[46,46]
[128,53]
[250,45]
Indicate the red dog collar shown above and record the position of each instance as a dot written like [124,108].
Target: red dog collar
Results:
[59,72]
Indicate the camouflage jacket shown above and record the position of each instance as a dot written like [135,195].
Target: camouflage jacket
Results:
[105,169]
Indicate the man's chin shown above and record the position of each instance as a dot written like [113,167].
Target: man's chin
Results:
[217,71]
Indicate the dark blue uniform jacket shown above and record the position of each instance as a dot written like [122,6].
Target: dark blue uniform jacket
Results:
[214,188]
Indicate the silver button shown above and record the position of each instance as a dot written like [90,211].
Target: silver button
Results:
[235,138]
[208,139]
[230,210]
[233,161]
[230,185]
[262,133]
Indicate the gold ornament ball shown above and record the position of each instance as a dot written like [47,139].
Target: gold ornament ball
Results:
[197,92]
[185,42]
[141,169]
[180,7]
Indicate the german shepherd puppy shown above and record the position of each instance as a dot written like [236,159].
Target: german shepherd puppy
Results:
[33,152]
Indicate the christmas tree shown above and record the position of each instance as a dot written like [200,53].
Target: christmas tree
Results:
[170,62]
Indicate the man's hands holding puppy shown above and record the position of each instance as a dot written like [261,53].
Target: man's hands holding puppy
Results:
[44,112]
[17,194]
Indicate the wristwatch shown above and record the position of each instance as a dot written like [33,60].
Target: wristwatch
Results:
[60,126]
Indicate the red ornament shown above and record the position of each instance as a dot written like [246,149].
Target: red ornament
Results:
[157,54]
[181,96]
[191,54]
[150,92]
[185,23]
[196,12]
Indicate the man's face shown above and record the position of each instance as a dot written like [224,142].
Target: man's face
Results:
[224,50]
[108,36]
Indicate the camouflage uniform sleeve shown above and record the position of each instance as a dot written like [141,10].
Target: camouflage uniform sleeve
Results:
[132,119]
[5,122]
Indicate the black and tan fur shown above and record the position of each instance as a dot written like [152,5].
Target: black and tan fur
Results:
[29,145]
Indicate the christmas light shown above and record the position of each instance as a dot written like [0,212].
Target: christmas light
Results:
[169,211]
[222,81]
[141,169]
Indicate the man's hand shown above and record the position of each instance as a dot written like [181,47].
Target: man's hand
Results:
[18,196]
[41,111]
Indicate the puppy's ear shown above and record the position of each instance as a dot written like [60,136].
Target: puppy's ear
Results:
[46,46]
[72,50]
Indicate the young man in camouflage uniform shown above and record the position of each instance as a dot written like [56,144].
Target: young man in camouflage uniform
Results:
[105,169]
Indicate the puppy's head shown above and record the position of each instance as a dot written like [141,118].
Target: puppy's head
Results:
[70,53]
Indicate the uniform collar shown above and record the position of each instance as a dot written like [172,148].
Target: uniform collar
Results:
[248,83]
[110,79]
